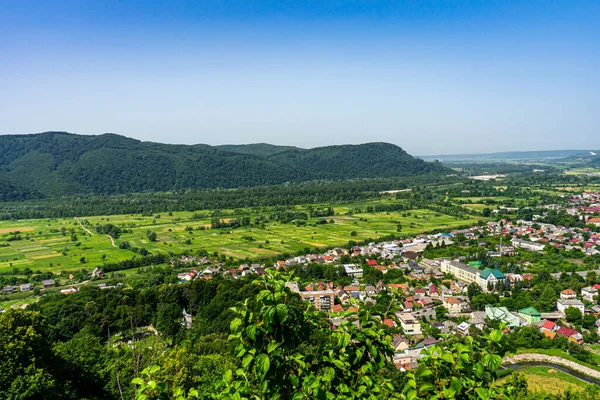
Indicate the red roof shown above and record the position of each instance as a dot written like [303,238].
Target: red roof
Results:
[597,286]
[549,325]
[337,308]
[389,322]
[566,332]
[372,263]
[420,291]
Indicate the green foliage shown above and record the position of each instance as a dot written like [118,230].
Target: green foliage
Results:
[347,364]
[27,365]
[58,163]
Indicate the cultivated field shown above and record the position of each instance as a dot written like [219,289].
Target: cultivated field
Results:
[48,244]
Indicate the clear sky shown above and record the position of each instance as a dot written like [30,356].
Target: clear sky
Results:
[434,77]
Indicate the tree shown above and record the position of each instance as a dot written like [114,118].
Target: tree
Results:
[473,289]
[486,212]
[547,299]
[573,315]
[440,312]
[151,236]
[26,362]
[589,321]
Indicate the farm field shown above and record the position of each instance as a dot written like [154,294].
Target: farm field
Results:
[71,244]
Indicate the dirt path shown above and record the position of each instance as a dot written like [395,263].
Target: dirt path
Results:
[83,227]
[112,241]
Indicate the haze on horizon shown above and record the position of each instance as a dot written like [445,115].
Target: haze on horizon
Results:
[432,76]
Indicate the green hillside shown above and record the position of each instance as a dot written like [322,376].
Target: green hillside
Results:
[256,149]
[58,163]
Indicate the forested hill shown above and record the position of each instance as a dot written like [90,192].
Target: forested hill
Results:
[256,149]
[58,163]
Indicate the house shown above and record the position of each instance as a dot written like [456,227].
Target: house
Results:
[336,308]
[568,294]
[588,293]
[524,244]
[410,325]
[453,305]
[323,300]
[69,290]
[389,322]
[562,305]
[97,273]
[491,278]
[530,314]
[353,271]
[47,283]
[461,271]
[399,343]
[502,314]
[8,289]
[25,287]
[549,326]
[463,328]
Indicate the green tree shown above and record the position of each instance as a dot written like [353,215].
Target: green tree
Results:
[547,299]
[26,359]
[573,315]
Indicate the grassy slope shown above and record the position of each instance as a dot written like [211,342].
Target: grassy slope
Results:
[548,380]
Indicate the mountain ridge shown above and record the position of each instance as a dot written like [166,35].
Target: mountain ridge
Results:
[61,163]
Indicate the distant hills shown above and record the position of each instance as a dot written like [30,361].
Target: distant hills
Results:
[513,155]
[59,163]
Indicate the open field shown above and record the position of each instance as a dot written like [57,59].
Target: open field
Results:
[548,380]
[59,244]
[583,171]
[478,207]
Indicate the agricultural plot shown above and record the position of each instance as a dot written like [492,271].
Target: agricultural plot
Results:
[72,244]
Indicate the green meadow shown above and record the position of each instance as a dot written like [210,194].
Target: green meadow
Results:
[48,244]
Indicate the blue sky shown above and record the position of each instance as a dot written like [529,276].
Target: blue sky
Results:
[434,77]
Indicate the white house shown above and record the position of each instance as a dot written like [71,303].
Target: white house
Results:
[563,304]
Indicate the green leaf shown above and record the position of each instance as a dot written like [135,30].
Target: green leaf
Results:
[247,361]
[251,331]
[263,363]
[272,346]
[235,323]
[282,312]
[227,375]
[138,381]
[344,340]
[496,336]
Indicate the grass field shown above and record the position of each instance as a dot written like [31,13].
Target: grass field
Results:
[478,207]
[548,380]
[43,245]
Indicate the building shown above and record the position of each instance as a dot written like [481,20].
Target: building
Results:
[25,287]
[530,314]
[323,300]
[491,278]
[410,325]
[502,314]
[568,294]
[562,305]
[524,244]
[48,283]
[461,271]
[353,271]
[588,293]
[453,305]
